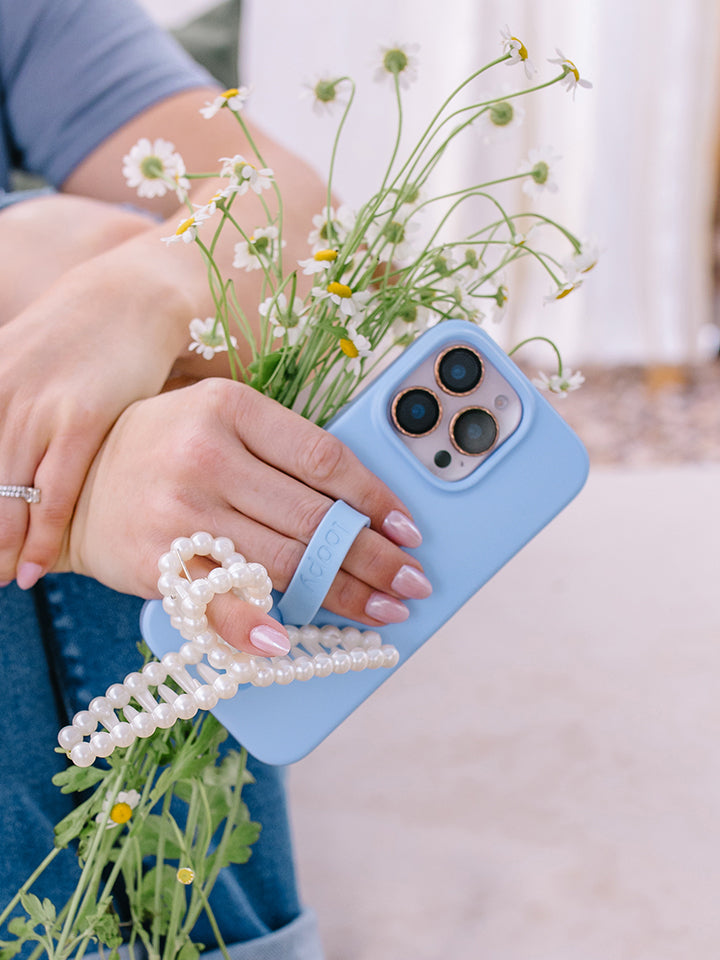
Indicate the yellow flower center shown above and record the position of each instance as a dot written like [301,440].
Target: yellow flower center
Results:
[339,289]
[185,225]
[326,255]
[232,92]
[349,348]
[185,875]
[563,292]
[522,49]
[120,812]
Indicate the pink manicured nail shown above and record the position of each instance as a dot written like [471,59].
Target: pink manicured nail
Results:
[410,582]
[5,583]
[386,609]
[269,641]
[400,528]
[28,575]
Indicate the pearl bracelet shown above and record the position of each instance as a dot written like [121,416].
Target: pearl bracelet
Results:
[206,668]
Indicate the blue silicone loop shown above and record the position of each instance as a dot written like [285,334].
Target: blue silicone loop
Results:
[320,563]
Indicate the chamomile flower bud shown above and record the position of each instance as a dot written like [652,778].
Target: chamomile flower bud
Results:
[326,94]
[540,165]
[398,61]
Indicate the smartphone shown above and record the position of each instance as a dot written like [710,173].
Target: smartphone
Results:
[482,461]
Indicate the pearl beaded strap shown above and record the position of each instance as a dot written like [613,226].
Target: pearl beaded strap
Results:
[219,668]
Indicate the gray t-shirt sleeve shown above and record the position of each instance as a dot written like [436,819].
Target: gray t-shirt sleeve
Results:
[73,71]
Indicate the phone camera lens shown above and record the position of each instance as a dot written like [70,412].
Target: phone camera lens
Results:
[416,411]
[459,370]
[473,431]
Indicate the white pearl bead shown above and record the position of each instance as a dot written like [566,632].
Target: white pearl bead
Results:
[117,695]
[322,664]
[222,548]
[225,687]
[242,670]
[85,722]
[358,658]
[191,609]
[170,606]
[185,706]
[233,558]
[164,715]
[176,622]
[201,590]
[220,580]
[391,656]
[154,672]
[68,737]
[122,735]
[240,575]
[206,697]
[371,639]
[102,744]
[330,634]
[183,546]
[284,672]
[202,543]
[304,669]
[99,707]
[341,661]
[206,639]
[375,658]
[169,563]
[191,653]
[264,675]
[219,657]
[166,584]
[143,725]
[82,755]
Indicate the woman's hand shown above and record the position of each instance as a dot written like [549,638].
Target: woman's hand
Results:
[218,456]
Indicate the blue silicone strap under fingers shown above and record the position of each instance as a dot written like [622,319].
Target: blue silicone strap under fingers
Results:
[320,563]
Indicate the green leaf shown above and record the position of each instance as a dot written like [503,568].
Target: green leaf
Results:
[39,911]
[78,778]
[188,951]
[149,834]
[71,825]
[20,927]
[237,849]
[107,929]
[168,883]
[10,948]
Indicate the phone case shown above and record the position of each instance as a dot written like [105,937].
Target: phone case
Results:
[471,528]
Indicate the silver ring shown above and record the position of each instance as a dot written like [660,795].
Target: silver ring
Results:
[28,494]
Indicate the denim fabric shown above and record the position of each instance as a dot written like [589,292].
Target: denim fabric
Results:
[64,643]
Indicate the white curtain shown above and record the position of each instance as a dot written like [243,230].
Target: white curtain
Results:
[639,150]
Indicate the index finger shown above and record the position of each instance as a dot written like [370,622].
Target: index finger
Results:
[296,446]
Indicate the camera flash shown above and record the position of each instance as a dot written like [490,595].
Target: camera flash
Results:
[501,401]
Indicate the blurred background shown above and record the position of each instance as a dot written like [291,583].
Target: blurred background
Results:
[541,781]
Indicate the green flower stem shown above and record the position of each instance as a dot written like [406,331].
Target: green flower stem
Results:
[28,883]
[159,861]
[545,340]
[261,160]
[336,142]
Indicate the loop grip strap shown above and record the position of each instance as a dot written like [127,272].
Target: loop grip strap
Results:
[320,563]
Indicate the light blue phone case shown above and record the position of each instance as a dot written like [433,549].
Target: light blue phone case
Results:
[470,528]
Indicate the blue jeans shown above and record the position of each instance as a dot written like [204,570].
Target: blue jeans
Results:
[63,643]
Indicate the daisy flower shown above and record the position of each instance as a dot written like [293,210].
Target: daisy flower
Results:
[582,261]
[208,337]
[331,228]
[559,383]
[461,300]
[562,290]
[355,346]
[234,99]
[500,119]
[540,166]
[518,52]
[350,304]
[286,321]
[319,261]
[571,79]
[154,168]
[244,175]
[325,94]
[120,810]
[188,229]
[398,60]
[249,254]
[395,239]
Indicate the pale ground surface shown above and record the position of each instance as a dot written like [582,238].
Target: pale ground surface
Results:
[550,789]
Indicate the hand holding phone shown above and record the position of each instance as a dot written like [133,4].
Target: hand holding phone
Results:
[482,461]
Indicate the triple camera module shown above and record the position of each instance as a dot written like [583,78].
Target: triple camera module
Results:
[453,410]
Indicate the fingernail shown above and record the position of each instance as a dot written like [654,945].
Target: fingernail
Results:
[386,609]
[28,575]
[410,582]
[269,641]
[400,528]
[5,583]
